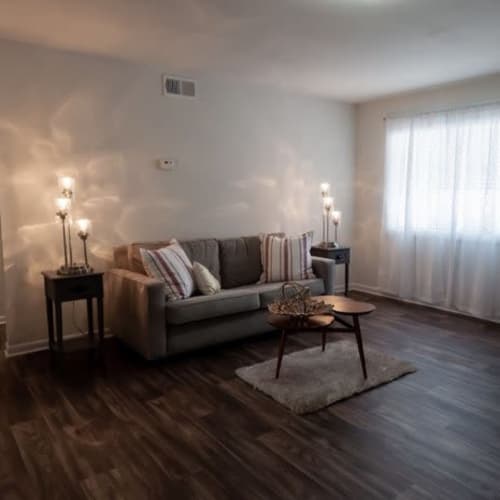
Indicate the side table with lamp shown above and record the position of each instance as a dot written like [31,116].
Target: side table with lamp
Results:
[61,288]
[332,249]
[73,281]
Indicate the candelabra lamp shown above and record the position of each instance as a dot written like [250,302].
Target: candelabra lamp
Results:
[329,212]
[63,204]
[83,233]
[336,217]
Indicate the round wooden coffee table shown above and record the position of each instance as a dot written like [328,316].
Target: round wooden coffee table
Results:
[344,306]
[289,324]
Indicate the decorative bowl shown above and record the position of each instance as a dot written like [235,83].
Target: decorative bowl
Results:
[296,301]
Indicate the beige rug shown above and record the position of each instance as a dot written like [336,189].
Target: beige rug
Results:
[311,379]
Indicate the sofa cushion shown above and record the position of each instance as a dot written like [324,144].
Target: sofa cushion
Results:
[239,261]
[268,292]
[120,257]
[202,307]
[205,251]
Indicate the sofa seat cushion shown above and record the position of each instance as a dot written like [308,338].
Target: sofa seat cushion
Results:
[201,307]
[268,292]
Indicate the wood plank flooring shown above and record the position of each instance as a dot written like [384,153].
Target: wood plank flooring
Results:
[188,428]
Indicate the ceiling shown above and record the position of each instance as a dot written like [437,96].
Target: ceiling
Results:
[352,50]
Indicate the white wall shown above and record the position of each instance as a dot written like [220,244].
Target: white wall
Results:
[250,159]
[370,144]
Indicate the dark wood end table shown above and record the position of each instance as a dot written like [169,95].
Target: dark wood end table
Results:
[63,288]
[288,324]
[341,255]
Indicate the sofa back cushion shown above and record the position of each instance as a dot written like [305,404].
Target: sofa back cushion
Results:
[120,257]
[205,251]
[240,262]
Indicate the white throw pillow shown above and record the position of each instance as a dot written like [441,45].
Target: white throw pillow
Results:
[286,258]
[205,281]
[171,265]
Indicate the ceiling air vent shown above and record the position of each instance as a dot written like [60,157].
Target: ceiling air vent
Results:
[178,86]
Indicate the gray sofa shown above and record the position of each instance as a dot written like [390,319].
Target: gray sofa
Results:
[139,314]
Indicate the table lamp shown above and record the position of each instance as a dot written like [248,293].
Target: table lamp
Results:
[63,204]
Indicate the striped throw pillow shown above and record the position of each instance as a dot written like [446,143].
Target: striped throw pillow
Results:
[171,265]
[286,258]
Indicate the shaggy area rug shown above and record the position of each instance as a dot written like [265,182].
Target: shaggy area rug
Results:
[312,379]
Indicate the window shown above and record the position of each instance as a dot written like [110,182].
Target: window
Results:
[443,173]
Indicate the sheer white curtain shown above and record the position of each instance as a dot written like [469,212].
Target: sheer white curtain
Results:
[441,230]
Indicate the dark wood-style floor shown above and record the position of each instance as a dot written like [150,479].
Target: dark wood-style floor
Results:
[188,428]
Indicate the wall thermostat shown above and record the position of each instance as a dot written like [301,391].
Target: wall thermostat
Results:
[166,164]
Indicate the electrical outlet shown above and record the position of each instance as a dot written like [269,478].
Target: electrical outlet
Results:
[166,164]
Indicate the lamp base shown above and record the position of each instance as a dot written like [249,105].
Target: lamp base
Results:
[330,244]
[74,270]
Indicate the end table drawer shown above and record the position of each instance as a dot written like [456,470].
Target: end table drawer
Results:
[340,257]
[78,288]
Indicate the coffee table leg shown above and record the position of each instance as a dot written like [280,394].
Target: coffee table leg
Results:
[359,340]
[280,353]
[324,340]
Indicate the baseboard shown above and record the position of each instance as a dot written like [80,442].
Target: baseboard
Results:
[374,290]
[39,345]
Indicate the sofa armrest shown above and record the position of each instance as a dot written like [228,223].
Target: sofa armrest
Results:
[136,311]
[325,269]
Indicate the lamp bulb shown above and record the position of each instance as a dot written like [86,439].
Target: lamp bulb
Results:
[327,203]
[67,186]
[325,189]
[63,205]
[83,226]
[336,216]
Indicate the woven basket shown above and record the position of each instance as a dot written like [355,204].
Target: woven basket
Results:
[296,301]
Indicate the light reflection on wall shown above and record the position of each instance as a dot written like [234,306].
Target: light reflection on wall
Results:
[144,218]
[250,161]
[30,162]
